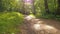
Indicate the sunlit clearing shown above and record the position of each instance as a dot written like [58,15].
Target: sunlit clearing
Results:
[37,26]
[50,28]
[30,17]
[44,27]
[39,22]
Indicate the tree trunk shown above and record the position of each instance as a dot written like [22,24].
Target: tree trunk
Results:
[33,7]
[46,6]
[58,9]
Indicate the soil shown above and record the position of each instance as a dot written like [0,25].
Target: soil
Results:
[27,26]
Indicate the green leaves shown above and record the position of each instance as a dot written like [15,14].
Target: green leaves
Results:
[9,21]
[10,5]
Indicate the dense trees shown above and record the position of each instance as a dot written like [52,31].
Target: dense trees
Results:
[35,6]
[40,8]
[10,5]
[40,5]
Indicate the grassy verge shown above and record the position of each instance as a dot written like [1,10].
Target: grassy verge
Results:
[9,21]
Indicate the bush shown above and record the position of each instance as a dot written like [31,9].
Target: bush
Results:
[9,21]
[48,16]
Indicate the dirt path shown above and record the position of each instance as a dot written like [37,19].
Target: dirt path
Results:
[27,26]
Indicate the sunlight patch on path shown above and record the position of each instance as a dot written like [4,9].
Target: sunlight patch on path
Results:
[30,17]
[45,28]
[40,26]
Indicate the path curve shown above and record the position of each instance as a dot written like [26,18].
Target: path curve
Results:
[27,26]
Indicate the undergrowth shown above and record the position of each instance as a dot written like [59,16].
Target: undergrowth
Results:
[9,22]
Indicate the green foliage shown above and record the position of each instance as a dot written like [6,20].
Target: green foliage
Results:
[32,15]
[40,9]
[52,5]
[57,17]
[9,22]
[10,5]
[39,6]
[48,16]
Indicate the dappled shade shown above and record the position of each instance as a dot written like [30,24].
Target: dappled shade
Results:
[39,26]
[29,16]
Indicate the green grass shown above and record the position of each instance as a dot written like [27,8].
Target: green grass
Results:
[9,21]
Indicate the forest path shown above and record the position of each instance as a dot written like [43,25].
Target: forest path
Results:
[47,26]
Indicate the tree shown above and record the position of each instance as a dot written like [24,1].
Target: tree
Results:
[33,7]
[58,9]
[46,6]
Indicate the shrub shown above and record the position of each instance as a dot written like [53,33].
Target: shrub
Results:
[48,16]
[9,21]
